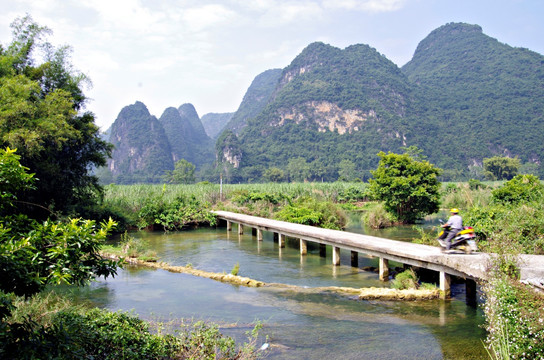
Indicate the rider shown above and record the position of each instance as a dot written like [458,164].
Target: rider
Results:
[452,227]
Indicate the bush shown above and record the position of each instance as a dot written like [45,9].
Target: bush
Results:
[522,188]
[405,280]
[309,211]
[377,217]
[514,320]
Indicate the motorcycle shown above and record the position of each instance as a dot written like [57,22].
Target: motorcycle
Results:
[464,240]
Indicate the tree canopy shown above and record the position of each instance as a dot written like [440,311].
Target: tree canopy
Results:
[409,188]
[42,115]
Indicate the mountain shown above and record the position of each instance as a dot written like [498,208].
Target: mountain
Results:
[146,147]
[329,105]
[214,123]
[464,96]
[142,152]
[478,97]
[256,98]
[186,135]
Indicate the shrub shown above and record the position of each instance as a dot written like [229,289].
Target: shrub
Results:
[405,280]
[377,217]
[522,188]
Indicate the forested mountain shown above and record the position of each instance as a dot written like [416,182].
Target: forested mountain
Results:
[214,123]
[463,97]
[142,151]
[257,96]
[187,136]
[477,98]
[146,147]
[329,105]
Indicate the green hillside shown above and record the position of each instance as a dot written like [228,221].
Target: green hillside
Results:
[463,97]
[477,97]
[140,153]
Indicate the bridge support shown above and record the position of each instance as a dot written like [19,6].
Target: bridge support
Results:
[384,269]
[281,241]
[470,292]
[229,226]
[303,247]
[253,231]
[335,256]
[445,285]
[259,235]
[354,259]
[322,250]
[240,229]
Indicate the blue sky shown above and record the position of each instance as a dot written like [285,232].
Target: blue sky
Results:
[206,52]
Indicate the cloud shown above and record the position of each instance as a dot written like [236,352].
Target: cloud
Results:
[200,18]
[372,6]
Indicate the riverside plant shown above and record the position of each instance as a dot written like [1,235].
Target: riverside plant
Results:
[514,320]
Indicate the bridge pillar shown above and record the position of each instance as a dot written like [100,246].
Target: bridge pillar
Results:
[253,231]
[240,229]
[303,247]
[259,235]
[335,256]
[470,292]
[354,259]
[445,284]
[322,250]
[229,226]
[281,240]
[384,269]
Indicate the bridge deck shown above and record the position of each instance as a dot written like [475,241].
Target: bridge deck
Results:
[473,266]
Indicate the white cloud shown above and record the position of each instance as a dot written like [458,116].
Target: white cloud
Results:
[206,16]
[373,6]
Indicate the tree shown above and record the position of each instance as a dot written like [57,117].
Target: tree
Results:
[33,254]
[298,169]
[501,168]
[183,173]
[274,174]
[409,188]
[346,170]
[41,115]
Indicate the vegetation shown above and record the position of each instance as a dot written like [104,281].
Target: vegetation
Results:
[501,168]
[408,187]
[41,115]
[183,173]
[61,330]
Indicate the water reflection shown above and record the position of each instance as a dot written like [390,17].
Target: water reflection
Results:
[300,325]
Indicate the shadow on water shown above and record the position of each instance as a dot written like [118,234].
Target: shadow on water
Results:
[299,325]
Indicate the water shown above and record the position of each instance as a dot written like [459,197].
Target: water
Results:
[299,325]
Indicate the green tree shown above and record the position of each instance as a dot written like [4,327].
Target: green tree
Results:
[298,169]
[33,254]
[346,170]
[409,188]
[501,168]
[274,174]
[183,173]
[41,115]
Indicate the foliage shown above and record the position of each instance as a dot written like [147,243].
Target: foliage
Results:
[409,188]
[377,217]
[41,115]
[501,168]
[309,211]
[33,254]
[405,280]
[236,269]
[274,174]
[514,320]
[522,188]
[73,333]
[183,173]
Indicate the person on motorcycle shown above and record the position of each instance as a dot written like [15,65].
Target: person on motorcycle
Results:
[452,227]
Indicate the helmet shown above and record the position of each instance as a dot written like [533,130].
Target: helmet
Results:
[454,210]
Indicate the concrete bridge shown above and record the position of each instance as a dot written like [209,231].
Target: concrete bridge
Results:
[472,267]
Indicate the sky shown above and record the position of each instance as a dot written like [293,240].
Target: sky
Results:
[207,52]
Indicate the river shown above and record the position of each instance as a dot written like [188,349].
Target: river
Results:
[298,325]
